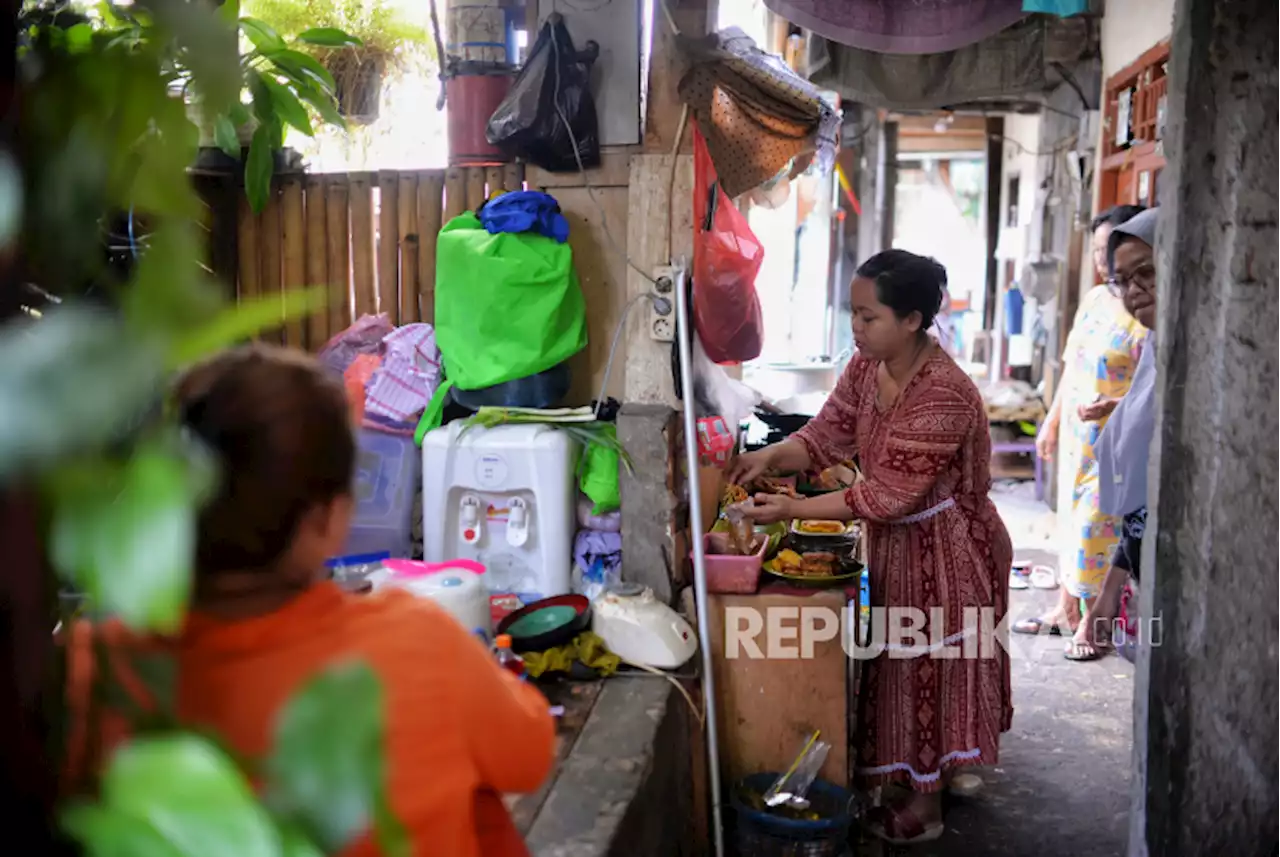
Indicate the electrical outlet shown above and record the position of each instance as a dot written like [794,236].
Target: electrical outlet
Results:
[663,329]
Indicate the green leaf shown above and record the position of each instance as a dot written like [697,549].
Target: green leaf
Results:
[303,67]
[240,115]
[324,104]
[294,843]
[329,37]
[104,833]
[226,136]
[74,381]
[326,770]
[238,323]
[259,168]
[79,38]
[288,107]
[190,793]
[124,532]
[262,35]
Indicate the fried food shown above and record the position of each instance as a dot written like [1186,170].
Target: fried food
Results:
[821,528]
[771,485]
[733,494]
[818,564]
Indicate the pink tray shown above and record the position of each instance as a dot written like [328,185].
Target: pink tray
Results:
[726,573]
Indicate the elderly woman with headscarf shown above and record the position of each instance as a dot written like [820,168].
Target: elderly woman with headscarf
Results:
[1099,361]
[1124,446]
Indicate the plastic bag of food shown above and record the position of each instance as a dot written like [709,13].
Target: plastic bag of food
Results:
[726,258]
[742,530]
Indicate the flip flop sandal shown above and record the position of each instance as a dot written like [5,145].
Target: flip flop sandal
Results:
[965,785]
[901,827]
[1083,652]
[1042,577]
[1036,626]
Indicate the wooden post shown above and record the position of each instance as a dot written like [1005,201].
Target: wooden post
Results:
[248,227]
[317,259]
[475,188]
[513,177]
[493,181]
[409,241]
[388,244]
[364,284]
[293,228]
[338,224]
[270,259]
[455,193]
[430,215]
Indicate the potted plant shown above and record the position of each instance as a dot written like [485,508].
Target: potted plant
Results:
[280,85]
[382,37]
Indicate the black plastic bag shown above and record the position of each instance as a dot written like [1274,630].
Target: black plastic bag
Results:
[552,90]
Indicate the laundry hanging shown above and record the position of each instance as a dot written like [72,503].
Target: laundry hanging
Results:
[758,116]
[897,27]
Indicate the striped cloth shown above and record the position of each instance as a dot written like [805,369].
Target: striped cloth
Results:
[409,375]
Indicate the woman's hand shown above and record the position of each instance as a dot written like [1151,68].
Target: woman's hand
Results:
[1047,439]
[771,508]
[1099,410]
[750,466]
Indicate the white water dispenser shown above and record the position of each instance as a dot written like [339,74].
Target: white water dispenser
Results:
[504,497]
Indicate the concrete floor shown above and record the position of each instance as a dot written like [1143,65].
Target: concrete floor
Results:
[1062,785]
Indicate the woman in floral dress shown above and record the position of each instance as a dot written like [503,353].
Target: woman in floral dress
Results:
[1099,362]
[935,542]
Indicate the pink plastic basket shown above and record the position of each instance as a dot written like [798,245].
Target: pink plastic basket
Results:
[729,574]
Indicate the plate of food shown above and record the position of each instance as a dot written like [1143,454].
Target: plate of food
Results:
[823,528]
[812,568]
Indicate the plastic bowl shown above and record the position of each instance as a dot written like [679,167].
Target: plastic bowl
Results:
[547,623]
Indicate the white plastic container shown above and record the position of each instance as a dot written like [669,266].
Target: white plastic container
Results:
[457,586]
[385,485]
[505,497]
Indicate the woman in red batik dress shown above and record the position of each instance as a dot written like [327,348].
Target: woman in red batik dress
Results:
[935,542]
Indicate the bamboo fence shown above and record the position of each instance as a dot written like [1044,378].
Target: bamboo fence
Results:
[370,236]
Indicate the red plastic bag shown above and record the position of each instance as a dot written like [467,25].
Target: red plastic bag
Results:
[726,259]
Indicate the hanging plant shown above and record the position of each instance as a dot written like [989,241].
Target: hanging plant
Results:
[381,41]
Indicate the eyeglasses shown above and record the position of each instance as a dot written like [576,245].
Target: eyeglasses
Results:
[1143,276]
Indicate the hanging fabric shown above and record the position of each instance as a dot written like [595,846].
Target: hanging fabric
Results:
[758,116]
[896,27]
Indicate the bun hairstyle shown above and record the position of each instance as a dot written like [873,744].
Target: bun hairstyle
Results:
[907,283]
[280,428]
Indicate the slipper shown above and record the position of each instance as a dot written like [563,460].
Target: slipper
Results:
[965,785]
[1083,652]
[1036,626]
[901,826]
[1043,577]
[1017,580]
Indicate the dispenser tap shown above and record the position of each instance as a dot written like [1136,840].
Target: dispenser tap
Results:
[469,519]
[518,522]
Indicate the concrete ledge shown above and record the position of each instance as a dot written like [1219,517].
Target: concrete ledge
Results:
[624,789]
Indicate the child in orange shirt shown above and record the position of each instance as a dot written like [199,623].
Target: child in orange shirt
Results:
[461,731]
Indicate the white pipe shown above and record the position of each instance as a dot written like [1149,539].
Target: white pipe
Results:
[684,332]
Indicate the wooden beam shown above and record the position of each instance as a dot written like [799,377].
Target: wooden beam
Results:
[693,18]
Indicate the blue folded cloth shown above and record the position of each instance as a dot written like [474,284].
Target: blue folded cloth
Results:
[525,211]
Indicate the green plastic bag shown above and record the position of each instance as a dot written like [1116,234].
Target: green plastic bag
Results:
[599,476]
[507,306]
